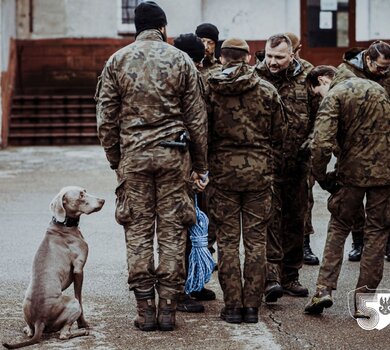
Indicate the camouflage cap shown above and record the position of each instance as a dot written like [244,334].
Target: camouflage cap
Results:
[295,41]
[236,44]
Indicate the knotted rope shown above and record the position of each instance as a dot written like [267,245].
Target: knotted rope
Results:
[201,264]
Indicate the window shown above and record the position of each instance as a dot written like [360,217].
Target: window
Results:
[126,15]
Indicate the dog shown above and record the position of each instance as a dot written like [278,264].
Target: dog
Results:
[58,263]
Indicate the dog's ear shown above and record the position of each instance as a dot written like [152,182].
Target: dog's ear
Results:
[57,206]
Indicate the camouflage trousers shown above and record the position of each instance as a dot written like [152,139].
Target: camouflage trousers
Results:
[246,213]
[153,199]
[286,230]
[309,229]
[344,207]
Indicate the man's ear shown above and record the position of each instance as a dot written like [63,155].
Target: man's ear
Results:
[321,80]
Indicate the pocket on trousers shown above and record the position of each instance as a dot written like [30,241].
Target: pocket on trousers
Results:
[186,208]
[123,211]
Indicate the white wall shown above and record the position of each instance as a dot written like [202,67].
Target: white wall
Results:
[253,19]
[372,19]
[249,19]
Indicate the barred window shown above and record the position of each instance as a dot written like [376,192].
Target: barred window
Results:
[126,15]
[128,7]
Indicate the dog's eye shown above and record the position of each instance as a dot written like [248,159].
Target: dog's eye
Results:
[82,194]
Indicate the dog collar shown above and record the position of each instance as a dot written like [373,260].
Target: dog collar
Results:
[69,222]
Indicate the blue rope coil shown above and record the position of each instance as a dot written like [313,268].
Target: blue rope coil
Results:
[201,264]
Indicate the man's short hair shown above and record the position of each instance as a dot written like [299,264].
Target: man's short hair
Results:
[378,48]
[231,55]
[319,71]
[277,39]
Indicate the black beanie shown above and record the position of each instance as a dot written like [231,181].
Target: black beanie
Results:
[148,15]
[207,30]
[191,44]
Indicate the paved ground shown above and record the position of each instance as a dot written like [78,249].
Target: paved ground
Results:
[29,179]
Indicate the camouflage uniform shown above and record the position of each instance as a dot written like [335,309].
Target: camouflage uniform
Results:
[210,67]
[148,93]
[353,61]
[246,134]
[291,192]
[354,119]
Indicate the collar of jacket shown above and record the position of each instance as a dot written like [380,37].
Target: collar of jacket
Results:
[292,70]
[150,34]
[341,76]
[359,62]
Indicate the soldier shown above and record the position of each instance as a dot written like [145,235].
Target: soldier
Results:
[309,258]
[246,133]
[208,33]
[285,233]
[353,122]
[372,63]
[193,46]
[148,100]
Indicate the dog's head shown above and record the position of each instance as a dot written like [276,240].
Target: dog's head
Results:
[72,201]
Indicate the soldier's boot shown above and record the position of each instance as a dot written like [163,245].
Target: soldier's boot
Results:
[387,251]
[308,256]
[187,304]
[146,310]
[320,300]
[231,314]
[357,246]
[166,318]
[204,294]
[273,291]
[295,288]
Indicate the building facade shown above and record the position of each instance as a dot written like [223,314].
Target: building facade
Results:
[58,48]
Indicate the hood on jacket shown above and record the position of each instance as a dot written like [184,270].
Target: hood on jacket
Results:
[234,79]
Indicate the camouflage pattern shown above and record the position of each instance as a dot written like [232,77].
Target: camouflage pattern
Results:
[210,67]
[225,208]
[353,61]
[300,108]
[246,140]
[344,206]
[309,229]
[246,130]
[149,92]
[354,116]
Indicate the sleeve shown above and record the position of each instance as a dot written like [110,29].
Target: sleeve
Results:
[324,136]
[195,118]
[107,109]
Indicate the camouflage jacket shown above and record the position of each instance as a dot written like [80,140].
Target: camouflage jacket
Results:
[149,92]
[246,129]
[210,67]
[299,104]
[354,119]
[353,60]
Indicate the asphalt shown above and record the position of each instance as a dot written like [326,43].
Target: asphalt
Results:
[29,179]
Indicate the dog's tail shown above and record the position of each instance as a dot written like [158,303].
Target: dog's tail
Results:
[36,338]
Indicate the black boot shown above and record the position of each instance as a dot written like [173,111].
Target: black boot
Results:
[308,256]
[357,246]
[146,309]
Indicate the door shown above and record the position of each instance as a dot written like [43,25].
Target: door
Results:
[327,30]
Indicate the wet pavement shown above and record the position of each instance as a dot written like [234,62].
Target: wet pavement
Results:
[29,179]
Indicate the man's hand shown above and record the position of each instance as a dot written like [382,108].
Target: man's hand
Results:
[330,183]
[200,180]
